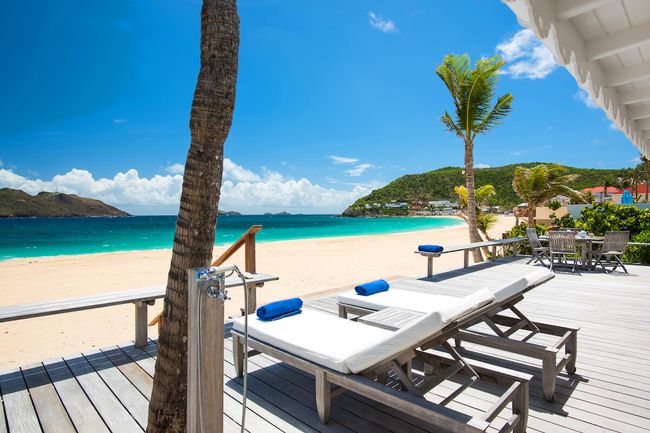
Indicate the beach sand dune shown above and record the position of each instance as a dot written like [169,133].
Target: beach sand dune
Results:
[305,267]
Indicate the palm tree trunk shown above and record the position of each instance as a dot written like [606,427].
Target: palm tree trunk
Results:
[531,215]
[474,236]
[210,121]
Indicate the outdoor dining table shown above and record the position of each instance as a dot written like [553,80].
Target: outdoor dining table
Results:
[586,248]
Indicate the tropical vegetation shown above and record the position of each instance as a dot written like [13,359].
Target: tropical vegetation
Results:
[472,91]
[484,220]
[439,185]
[603,217]
[539,184]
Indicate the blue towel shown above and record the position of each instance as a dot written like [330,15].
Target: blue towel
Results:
[371,287]
[430,248]
[279,309]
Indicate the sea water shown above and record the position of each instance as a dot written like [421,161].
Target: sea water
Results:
[35,237]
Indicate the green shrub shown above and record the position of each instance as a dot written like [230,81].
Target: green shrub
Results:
[639,254]
[604,217]
[520,232]
[566,221]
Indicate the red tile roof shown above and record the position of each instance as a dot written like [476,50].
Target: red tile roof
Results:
[640,189]
[601,189]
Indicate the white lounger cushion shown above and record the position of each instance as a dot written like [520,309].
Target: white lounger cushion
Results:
[347,346]
[520,285]
[426,302]
[322,338]
[404,299]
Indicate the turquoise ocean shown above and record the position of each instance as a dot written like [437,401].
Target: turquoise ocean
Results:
[36,237]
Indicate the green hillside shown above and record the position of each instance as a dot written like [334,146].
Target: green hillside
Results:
[17,203]
[439,185]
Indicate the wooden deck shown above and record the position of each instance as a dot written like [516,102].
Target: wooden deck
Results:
[107,390]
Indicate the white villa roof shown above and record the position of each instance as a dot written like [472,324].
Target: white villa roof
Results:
[605,45]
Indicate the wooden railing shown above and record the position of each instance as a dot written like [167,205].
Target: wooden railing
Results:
[247,240]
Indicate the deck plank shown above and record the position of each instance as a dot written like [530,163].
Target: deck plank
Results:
[117,418]
[49,408]
[83,414]
[130,397]
[21,416]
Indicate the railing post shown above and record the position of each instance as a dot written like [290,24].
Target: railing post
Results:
[204,392]
[250,266]
[140,323]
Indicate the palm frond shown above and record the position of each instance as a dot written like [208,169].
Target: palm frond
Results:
[451,126]
[494,117]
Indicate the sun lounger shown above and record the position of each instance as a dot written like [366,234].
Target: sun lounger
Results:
[360,358]
[502,326]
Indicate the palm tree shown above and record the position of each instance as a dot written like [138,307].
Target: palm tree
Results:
[210,121]
[646,167]
[537,185]
[484,222]
[481,194]
[472,91]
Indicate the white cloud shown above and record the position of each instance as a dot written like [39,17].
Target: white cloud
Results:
[612,126]
[242,190]
[378,22]
[519,152]
[342,159]
[237,172]
[177,168]
[359,169]
[120,120]
[526,55]
[482,165]
[124,189]
[636,160]
[586,99]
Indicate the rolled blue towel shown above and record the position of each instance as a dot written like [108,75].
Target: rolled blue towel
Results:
[371,288]
[279,309]
[430,248]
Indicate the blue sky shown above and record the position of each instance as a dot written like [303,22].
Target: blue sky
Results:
[333,99]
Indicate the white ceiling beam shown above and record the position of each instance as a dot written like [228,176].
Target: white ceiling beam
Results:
[567,9]
[642,124]
[620,76]
[645,134]
[633,96]
[640,112]
[609,45]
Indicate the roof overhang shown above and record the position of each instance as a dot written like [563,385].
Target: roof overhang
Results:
[605,45]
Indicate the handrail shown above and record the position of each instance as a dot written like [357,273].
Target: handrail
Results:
[248,240]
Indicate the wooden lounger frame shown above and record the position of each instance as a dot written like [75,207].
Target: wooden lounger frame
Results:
[551,367]
[371,383]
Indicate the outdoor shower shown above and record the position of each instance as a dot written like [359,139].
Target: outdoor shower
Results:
[206,298]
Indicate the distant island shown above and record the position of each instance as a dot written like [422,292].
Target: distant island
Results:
[229,213]
[17,203]
[277,214]
[413,193]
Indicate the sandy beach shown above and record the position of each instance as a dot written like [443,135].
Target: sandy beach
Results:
[305,267]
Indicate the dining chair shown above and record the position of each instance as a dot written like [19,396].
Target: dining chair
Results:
[614,246]
[539,251]
[563,246]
